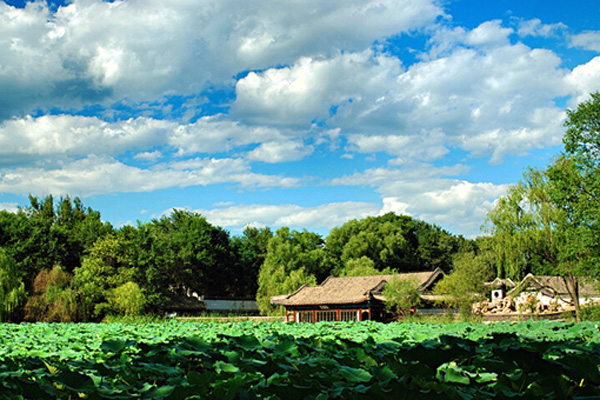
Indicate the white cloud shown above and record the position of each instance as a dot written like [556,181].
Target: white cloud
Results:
[478,84]
[148,156]
[307,90]
[99,175]
[427,193]
[10,207]
[587,40]
[535,27]
[77,136]
[218,134]
[584,79]
[276,152]
[52,136]
[426,147]
[545,129]
[326,216]
[459,206]
[100,52]
[489,33]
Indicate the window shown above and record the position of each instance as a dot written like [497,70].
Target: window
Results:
[348,315]
[305,316]
[327,315]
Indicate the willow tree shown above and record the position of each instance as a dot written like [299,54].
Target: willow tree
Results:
[551,218]
[12,289]
[293,259]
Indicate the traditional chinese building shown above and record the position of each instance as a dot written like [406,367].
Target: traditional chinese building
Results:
[357,298]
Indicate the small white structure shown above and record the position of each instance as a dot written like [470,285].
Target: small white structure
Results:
[551,291]
[534,295]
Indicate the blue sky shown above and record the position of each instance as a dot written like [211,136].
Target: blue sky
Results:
[307,116]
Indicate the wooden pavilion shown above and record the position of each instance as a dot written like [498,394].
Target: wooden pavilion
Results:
[348,299]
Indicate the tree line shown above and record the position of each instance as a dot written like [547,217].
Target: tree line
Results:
[60,262]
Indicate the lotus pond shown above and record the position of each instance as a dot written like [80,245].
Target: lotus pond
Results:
[174,360]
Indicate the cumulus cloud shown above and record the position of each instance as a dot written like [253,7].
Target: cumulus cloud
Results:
[97,51]
[584,79]
[276,152]
[535,27]
[458,205]
[325,216]
[480,82]
[77,136]
[308,89]
[587,40]
[102,174]
[218,133]
[430,194]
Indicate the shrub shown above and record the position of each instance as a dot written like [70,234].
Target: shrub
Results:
[127,299]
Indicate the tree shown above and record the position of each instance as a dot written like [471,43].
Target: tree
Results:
[380,239]
[202,258]
[516,223]
[110,264]
[12,289]
[53,299]
[552,217]
[393,242]
[250,251]
[401,294]
[363,266]
[127,299]
[45,234]
[466,284]
[293,259]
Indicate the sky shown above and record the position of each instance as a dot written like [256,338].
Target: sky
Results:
[304,114]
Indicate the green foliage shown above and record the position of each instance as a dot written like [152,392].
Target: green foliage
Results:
[12,289]
[48,233]
[293,259]
[109,265]
[127,299]
[250,251]
[401,294]
[590,312]
[582,138]
[53,299]
[193,255]
[465,285]
[134,319]
[392,243]
[297,361]
[551,219]
[363,266]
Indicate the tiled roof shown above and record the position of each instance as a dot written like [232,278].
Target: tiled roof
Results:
[349,290]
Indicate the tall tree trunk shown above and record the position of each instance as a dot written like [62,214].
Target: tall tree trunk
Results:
[572,286]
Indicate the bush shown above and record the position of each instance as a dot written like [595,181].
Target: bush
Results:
[127,299]
[53,299]
[590,312]
[401,295]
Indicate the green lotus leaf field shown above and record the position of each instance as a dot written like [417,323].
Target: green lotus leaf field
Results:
[175,360]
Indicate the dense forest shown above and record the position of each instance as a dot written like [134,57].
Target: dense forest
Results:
[60,262]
